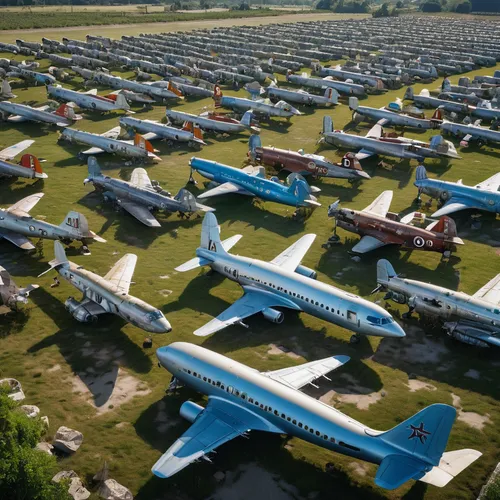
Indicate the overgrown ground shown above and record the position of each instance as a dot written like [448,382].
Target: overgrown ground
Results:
[44,346]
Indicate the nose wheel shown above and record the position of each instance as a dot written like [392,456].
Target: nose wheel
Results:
[355,339]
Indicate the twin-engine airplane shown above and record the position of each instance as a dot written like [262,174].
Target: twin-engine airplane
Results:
[108,294]
[16,224]
[379,227]
[63,116]
[472,132]
[330,97]
[139,197]
[242,399]
[473,319]
[29,167]
[283,282]
[455,196]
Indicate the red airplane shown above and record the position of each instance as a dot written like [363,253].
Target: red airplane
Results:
[379,227]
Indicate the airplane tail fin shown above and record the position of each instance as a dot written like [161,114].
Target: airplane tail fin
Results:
[385,271]
[447,227]
[254,142]
[438,114]
[353,103]
[332,95]
[420,173]
[187,199]
[246,119]
[76,223]
[32,162]
[409,94]
[198,133]
[6,90]
[121,102]
[59,259]
[174,90]
[94,169]
[327,125]
[65,111]
[349,161]
[143,143]
[301,189]
[217,96]
[187,126]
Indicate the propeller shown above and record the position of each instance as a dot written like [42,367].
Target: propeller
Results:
[334,208]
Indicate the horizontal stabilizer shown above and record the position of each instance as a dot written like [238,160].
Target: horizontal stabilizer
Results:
[395,470]
[192,264]
[229,243]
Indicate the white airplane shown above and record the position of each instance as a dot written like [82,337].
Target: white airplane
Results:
[242,399]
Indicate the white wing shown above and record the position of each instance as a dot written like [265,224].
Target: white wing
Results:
[140,179]
[490,292]
[226,188]
[26,204]
[363,154]
[454,204]
[299,376]
[13,151]
[367,244]
[93,151]
[376,131]
[491,184]
[293,255]
[380,206]
[112,134]
[121,273]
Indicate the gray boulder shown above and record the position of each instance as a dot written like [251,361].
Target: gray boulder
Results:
[111,490]
[46,447]
[76,488]
[67,440]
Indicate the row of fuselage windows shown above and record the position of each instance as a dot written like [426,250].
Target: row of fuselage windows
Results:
[235,392]
[301,297]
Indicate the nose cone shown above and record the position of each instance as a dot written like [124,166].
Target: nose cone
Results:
[165,356]
[394,330]
[161,325]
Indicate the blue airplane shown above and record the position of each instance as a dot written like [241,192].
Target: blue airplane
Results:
[242,399]
[251,181]
[456,196]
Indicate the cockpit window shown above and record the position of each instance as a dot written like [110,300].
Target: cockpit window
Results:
[387,321]
[152,316]
[373,320]
[380,321]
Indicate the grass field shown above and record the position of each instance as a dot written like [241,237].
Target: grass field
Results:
[44,346]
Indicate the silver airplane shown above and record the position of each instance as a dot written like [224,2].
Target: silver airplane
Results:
[471,132]
[63,116]
[328,82]
[455,196]
[138,148]
[376,142]
[108,294]
[191,90]
[31,76]
[330,97]
[216,122]
[359,78]
[139,196]
[472,319]
[6,91]
[16,225]
[153,130]
[29,166]
[89,100]
[10,293]
[284,282]
[393,118]
[242,399]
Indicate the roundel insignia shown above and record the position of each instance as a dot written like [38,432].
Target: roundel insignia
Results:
[429,243]
[32,228]
[311,165]
[418,241]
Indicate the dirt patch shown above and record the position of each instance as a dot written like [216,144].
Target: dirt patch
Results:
[359,468]
[54,368]
[277,350]
[469,417]
[165,292]
[123,425]
[418,385]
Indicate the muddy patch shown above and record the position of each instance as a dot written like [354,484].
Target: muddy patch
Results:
[278,350]
[359,468]
[469,417]
[419,385]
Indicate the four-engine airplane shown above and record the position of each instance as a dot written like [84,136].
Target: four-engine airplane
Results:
[473,319]
[283,282]
[29,166]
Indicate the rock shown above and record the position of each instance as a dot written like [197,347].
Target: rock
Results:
[67,440]
[111,490]
[356,258]
[103,474]
[45,420]
[16,391]
[76,488]
[46,447]
[383,394]
[219,476]
[31,410]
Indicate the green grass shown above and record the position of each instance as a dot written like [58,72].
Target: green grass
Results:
[45,334]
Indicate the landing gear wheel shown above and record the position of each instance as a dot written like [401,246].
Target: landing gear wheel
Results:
[354,339]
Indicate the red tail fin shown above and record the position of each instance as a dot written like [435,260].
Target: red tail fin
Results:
[446,226]
[111,96]
[143,143]
[438,114]
[65,110]
[187,126]
[217,96]
[197,132]
[30,161]
[175,90]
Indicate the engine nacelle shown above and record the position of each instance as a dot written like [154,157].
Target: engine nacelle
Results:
[399,298]
[78,311]
[273,315]
[190,411]
[429,307]
[307,272]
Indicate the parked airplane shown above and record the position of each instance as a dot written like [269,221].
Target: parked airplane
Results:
[108,294]
[28,167]
[139,148]
[31,76]
[155,130]
[191,90]
[13,112]
[473,319]
[455,196]
[260,107]
[10,293]
[378,142]
[251,181]
[359,78]
[305,163]
[16,224]
[379,227]
[283,282]
[471,132]
[393,118]
[89,100]
[216,122]
[242,399]
[345,88]
[330,97]
[139,196]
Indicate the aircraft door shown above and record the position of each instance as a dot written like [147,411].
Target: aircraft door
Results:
[352,317]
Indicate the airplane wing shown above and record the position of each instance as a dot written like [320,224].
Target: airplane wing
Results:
[141,213]
[112,134]
[299,376]
[93,151]
[226,188]
[380,206]
[141,179]
[363,154]
[454,204]
[217,424]
[13,151]
[491,184]
[490,292]
[367,244]
[121,273]
[17,239]
[26,204]
[292,256]
[252,302]
[376,131]
[17,119]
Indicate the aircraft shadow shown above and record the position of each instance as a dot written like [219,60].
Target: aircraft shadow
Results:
[14,321]
[29,129]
